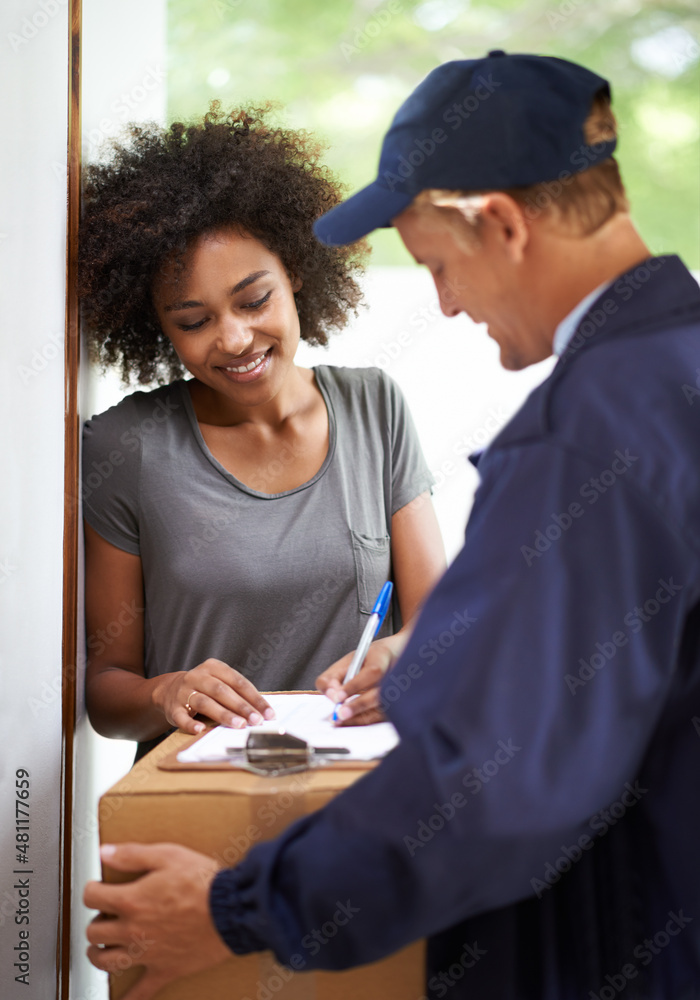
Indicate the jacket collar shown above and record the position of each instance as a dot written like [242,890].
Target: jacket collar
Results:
[659,292]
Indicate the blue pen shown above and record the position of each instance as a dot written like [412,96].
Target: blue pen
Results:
[381,606]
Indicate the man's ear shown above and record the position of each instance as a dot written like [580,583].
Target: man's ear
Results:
[505,221]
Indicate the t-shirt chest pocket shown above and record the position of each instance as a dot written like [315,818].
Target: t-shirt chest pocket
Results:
[372,567]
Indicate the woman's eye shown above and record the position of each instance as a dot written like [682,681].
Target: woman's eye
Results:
[192,326]
[260,302]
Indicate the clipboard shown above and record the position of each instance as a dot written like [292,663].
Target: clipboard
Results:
[238,762]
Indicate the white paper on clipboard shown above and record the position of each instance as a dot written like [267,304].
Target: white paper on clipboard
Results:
[307,716]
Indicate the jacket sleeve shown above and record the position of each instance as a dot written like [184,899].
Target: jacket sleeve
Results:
[525,701]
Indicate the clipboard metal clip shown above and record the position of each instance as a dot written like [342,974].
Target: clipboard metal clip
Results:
[273,754]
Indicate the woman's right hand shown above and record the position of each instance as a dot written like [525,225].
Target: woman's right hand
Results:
[360,696]
[212,689]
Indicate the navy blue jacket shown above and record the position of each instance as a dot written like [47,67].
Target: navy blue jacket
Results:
[540,819]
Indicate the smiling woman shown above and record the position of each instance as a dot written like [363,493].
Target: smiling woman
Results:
[247,517]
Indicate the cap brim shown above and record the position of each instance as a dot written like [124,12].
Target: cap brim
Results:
[371,208]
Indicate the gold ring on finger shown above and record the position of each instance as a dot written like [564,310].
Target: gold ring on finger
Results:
[188,706]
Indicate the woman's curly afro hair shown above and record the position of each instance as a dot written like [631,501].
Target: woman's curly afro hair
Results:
[164,188]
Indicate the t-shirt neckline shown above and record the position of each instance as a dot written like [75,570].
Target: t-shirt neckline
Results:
[199,438]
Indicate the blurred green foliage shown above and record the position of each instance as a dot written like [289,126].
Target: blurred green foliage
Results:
[342,67]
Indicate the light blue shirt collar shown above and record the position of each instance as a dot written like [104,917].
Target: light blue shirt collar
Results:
[566,329]
[562,335]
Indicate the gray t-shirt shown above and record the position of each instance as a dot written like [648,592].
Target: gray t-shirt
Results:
[276,585]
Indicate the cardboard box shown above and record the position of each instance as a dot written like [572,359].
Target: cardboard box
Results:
[223,813]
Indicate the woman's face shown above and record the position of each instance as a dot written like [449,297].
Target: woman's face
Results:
[231,316]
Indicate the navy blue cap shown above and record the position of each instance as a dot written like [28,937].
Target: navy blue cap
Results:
[477,125]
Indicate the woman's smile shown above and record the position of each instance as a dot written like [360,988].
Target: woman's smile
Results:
[248,368]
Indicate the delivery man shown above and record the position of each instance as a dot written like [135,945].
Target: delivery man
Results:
[540,819]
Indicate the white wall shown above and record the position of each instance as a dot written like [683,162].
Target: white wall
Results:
[33,124]
[123,79]
[449,371]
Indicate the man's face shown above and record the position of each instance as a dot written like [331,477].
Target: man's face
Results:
[486,281]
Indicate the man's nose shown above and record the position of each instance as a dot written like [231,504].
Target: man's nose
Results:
[447,298]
